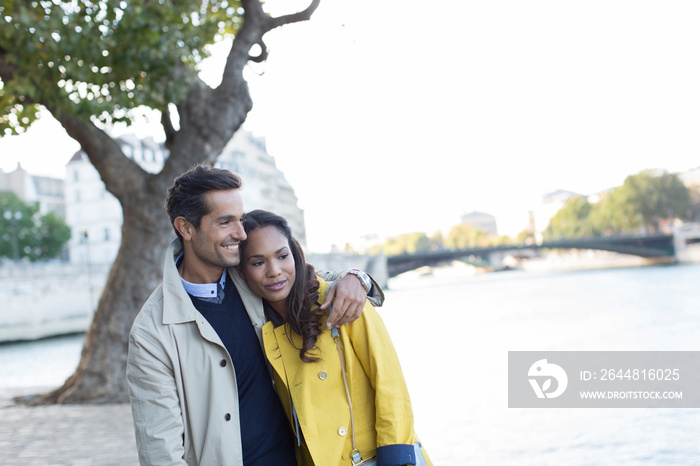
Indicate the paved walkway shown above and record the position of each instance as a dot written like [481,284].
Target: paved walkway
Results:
[65,434]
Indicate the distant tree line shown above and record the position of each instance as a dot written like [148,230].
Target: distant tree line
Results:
[459,237]
[644,203]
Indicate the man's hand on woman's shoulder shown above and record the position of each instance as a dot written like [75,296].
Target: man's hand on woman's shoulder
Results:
[348,297]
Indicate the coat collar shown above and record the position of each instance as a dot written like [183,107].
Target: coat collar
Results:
[177,305]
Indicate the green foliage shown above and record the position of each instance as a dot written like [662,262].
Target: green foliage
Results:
[465,236]
[694,210]
[500,240]
[26,234]
[101,58]
[436,241]
[460,237]
[526,236]
[644,201]
[571,221]
[656,196]
[411,243]
[615,215]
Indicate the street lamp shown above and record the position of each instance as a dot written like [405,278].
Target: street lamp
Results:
[13,218]
[88,263]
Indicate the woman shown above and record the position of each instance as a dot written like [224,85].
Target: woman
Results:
[345,396]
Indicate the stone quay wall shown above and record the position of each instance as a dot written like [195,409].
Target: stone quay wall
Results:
[49,299]
[43,300]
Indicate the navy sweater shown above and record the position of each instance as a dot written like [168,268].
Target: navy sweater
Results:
[265,433]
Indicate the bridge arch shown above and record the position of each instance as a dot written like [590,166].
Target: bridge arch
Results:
[648,246]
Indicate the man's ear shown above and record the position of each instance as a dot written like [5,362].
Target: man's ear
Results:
[184,227]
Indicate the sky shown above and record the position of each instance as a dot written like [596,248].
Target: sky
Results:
[400,116]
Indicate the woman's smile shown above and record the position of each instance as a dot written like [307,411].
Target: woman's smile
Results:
[277,286]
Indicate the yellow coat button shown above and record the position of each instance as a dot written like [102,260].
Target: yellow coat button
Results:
[323,375]
[342,431]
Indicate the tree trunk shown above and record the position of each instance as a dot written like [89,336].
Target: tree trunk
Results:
[136,272]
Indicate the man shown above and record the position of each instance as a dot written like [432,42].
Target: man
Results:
[198,381]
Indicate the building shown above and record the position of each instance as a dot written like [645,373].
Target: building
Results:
[481,221]
[264,185]
[691,178]
[47,192]
[95,215]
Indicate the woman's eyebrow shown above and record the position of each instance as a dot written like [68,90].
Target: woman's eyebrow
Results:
[263,255]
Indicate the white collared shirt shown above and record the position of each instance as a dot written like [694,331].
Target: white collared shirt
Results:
[202,290]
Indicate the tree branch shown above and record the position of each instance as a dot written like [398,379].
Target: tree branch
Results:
[168,127]
[120,174]
[259,23]
[303,15]
[209,118]
[204,131]
[6,69]
[263,53]
[255,24]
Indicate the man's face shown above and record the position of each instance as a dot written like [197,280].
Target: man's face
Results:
[215,244]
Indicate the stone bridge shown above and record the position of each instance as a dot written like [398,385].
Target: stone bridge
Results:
[661,245]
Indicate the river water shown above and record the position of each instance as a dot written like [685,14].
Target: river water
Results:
[453,331]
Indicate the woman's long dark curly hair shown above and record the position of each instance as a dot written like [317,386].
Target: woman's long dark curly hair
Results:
[304,294]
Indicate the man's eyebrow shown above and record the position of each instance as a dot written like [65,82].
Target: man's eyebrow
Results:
[226,217]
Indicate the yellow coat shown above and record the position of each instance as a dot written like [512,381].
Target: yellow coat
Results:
[381,404]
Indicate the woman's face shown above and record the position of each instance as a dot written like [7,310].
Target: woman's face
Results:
[268,266]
